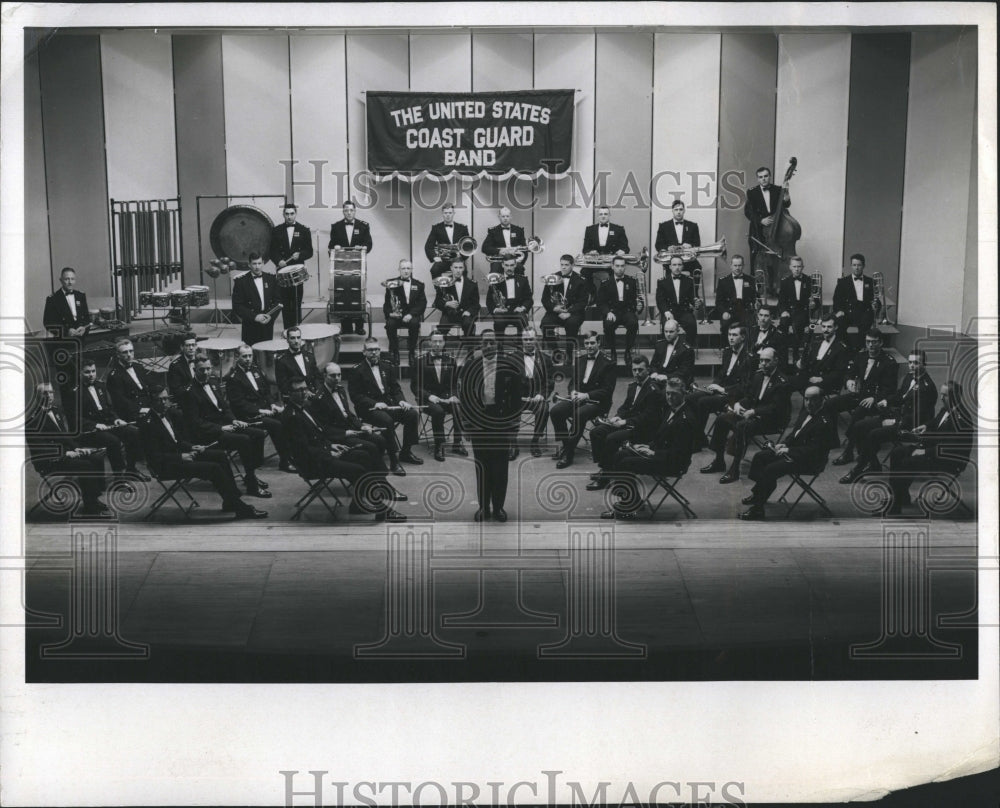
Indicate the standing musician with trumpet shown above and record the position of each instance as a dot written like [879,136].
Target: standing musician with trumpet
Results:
[255,301]
[457,299]
[564,299]
[506,237]
[679,233]
[291,243]
[446,241]
[404,307]
[795,302]
[509,299]
[675,294]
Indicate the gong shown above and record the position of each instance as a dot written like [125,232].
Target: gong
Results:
[240,230]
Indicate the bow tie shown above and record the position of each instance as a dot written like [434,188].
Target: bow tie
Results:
[604,226]
[505,227]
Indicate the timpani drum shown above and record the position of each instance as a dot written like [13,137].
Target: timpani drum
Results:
[107,315]
[199,295]
[265,354]
[292,275]
[161,300]
[323,341]
[146,298]
[179,298]
[222,351]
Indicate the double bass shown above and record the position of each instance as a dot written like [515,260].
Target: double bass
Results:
[775,244]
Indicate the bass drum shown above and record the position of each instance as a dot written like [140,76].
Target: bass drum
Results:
[240,230]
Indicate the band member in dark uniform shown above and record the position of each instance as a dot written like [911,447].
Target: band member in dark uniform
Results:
[761,205]
[672,356]
[435,384]
[735,296]
[459,303]
[636,420]
[675,294]
[255,295]
[291,243]
[509,301]
[605,237]
[616,300]
[803,451]
[128,384]
[565,303]
[66,313]
[404,307]
[332,411]
[591,388]
[667,452]
[171,455]
[766,335]
[296,363]
[943,445]
[537,377]
[727,386]
[506,236]
[853,303]
[180,373]
[679,232]
[489,390]
[349,233]
[98,425]
[445,232]
[825,363]
[794,303]
[764,408]
[249,396]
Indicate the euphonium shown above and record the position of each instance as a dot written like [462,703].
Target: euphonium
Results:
[535,245]
[444,281]
[557,297]
[394,301]
[465,248]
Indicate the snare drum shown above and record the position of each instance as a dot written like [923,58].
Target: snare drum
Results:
[222,351]
[161,300]
[179,298]
[294,275]
[146,298]
[323,340]
[199,295]
[107,315]
[265,354]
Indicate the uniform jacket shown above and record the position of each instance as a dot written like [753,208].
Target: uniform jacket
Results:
[617,239]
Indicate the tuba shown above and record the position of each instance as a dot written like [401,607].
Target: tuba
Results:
[717,250]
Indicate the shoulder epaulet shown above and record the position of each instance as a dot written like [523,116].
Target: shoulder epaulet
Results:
[361,221]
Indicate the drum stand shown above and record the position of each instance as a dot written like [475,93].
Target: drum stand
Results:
[217,318]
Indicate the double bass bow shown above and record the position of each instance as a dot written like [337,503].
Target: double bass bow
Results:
[777,242]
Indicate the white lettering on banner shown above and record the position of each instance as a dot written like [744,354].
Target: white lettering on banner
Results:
[434,138]
[518,111]
[456,109]
[482,157]
[498,136]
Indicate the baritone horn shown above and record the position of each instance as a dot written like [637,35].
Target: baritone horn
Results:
[444,281]
[464,248]
[535,245]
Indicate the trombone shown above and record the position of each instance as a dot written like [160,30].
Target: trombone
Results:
[465,248]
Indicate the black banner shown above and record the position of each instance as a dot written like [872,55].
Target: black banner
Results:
[496,134]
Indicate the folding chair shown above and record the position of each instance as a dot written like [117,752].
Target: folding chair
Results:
[668,483]
[51,493]
[316,489]
[806,487]
[176,486]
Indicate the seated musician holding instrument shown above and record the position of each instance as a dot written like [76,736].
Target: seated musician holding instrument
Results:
[180,373]
[795,302]
[911,406]
[378,398]
[672,356]
[616,300]
[764,408]
[128,383]
[445,233]
[171,455]
[255,302]
[54,451]
[667,452]
[316,457]
[735,296]
[727,386]
[510,300]
[854,303]
[99,426]
[291,243]
[679,233]
[435,385]
[803,451]
[250,400]
[591,389]
[505,237]
[404,307]
[565,301]
[943,445]
[296,363]
[675,294]
[871,377]
[825,363]
[766,335]
[605,237]
[458,302]
[206,409]
[66,313]
[635,420]
[537,376]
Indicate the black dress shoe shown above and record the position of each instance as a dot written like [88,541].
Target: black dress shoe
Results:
[439,453]
[512,453]
[286,466]
[852,475]
[500,515]
[536,450]
[844,459]
[389,515]
[398,496]
[260,483]
[481,515]
[244,511]
[257,491]
[714,467]
[398,470]
[598,485]
[409,457]
[564,462]
[749,499]
[138,475]
[755,514]
[459,449]
[729,477]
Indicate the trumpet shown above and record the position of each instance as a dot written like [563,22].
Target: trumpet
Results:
[878,301]
[717,250]
[465,248]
